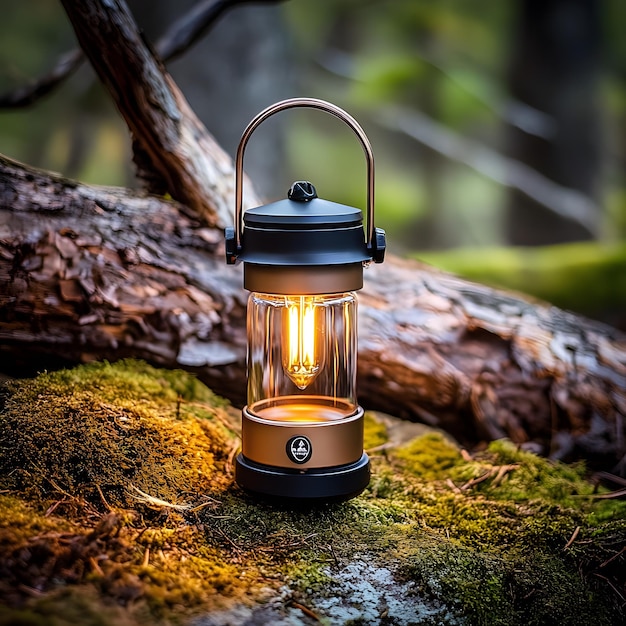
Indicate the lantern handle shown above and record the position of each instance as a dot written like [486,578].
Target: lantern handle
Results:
[375,236]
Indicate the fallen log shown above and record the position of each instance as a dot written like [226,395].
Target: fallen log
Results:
[90,273]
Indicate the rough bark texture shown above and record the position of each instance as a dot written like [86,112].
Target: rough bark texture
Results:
[99,273]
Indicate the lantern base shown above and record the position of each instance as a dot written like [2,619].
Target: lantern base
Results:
[314,485]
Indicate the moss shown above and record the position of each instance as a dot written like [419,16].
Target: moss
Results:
[102,462]
[430,456]
[487,588]
[69,607]
[375,432]
[438,537]
[587,277]
[102,432]
[517,528]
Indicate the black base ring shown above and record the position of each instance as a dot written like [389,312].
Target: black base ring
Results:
[320,484]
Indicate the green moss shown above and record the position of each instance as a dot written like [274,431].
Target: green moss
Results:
[375,432]
[587,277]
[69,607]
[535,477]
[101,432]
[429,457]
[487,588]
[502,537]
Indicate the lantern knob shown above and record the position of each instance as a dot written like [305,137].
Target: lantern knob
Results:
[302,191]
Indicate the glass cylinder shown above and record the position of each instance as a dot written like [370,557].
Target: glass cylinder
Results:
[302,354]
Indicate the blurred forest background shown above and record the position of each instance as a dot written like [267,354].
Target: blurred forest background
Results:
[499,128]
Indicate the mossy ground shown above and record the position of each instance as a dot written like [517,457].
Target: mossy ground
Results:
[117,506]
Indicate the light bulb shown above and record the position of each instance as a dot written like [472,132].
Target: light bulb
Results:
[302,354]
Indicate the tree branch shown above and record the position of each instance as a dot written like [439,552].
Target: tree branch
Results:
[515,112]
[569,203]
[26,95]
[181,36]
[176,150]
[192,26]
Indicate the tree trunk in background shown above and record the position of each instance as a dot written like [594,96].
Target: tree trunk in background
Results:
[555,68]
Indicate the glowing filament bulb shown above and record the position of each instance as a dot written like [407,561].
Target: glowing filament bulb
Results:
[301,359]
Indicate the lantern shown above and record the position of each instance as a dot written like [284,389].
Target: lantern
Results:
[303,258]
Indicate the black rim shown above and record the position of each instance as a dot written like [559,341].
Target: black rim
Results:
[321,484]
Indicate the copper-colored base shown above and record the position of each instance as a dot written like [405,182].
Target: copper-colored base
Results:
[333,442]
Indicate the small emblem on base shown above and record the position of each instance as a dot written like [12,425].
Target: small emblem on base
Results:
[299,449]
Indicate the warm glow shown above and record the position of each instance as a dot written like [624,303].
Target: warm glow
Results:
[301,358]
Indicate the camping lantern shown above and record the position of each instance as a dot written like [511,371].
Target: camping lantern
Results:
[303,258]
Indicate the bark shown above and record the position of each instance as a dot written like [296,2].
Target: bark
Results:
[99,273]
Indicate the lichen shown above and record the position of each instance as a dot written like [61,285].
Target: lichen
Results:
[118,506]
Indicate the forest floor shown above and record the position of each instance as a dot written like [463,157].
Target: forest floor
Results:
[118,506]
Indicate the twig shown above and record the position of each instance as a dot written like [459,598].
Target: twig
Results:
[453,486]
[615,589]
[479,479]
[181,36]
[146,558]
[198,507]
[618,493]
[53,507]
[466,456]
[615,556]
[572,538]
[158,503]
[229,540]
[95,567]
[503,470]
[304,609]
[106,504]
[607,476]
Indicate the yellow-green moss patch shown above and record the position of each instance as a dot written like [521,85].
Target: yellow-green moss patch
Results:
[110,433]
[429,457]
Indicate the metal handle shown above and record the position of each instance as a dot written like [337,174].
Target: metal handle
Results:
[312,103]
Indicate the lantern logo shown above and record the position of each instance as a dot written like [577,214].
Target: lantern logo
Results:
[299,449]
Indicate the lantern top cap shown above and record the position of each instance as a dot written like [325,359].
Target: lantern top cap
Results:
[311,232]
[302,191]
[303,213]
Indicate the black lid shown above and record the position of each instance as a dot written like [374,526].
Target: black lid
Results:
[303,230]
